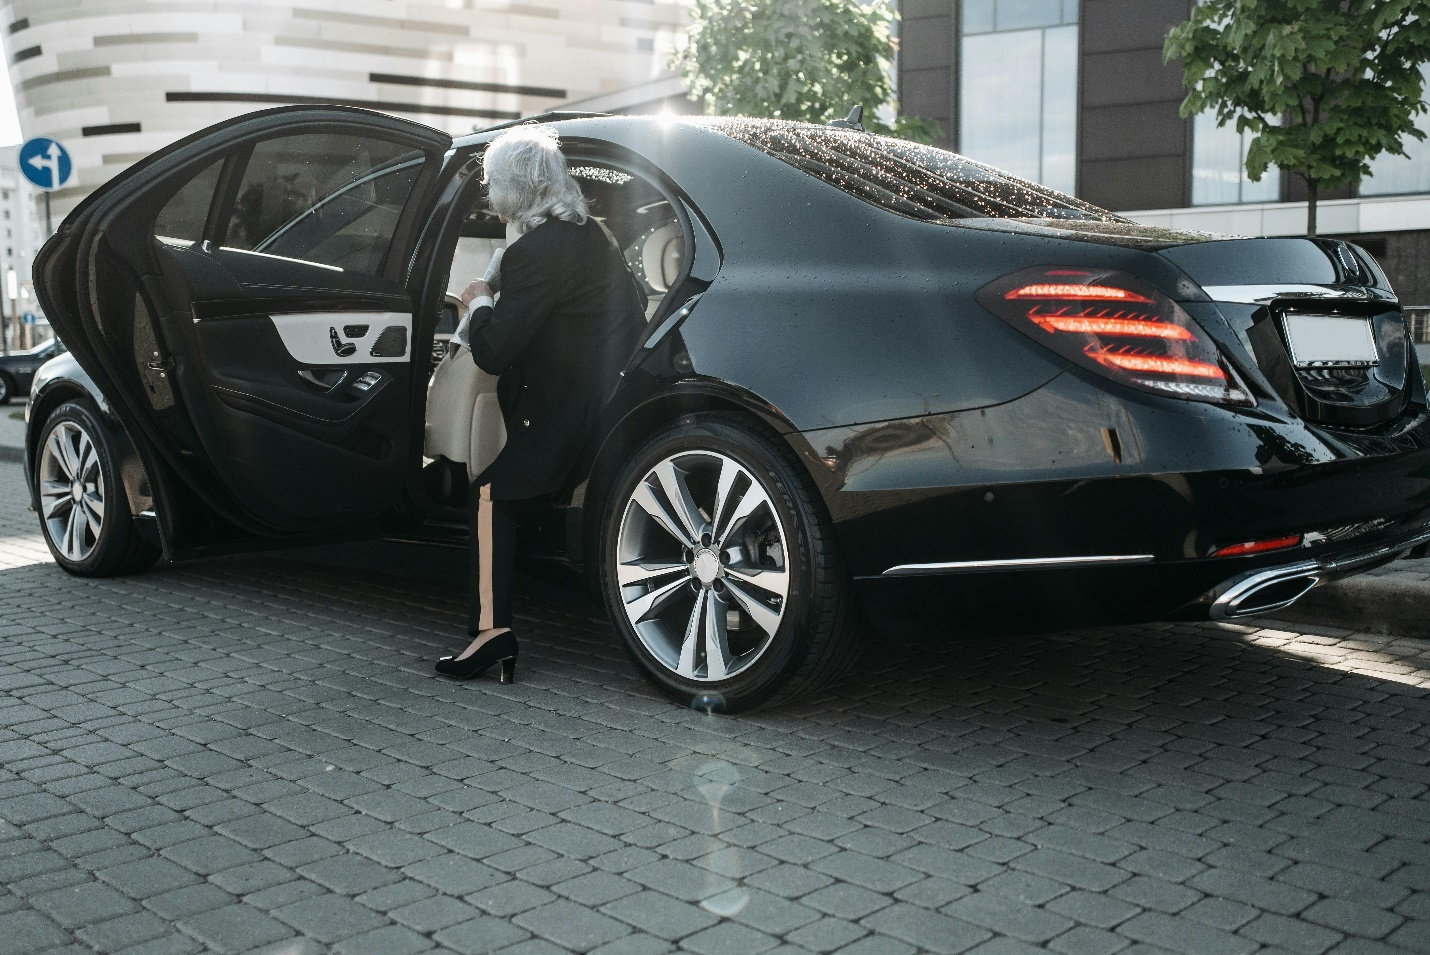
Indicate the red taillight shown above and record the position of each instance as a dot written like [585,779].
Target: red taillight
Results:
[1118,327]
[1258,547]
[1064,291]
[1159,364]
[1100,322]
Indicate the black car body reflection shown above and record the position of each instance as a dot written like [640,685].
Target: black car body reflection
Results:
[915,383]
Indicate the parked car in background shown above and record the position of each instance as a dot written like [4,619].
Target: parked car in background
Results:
[18,368]
[879,379]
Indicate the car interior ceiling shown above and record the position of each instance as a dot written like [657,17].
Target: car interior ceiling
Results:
[463,427]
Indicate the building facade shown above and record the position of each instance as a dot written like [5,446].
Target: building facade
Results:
[21,234]
[1074,94]
[115,80]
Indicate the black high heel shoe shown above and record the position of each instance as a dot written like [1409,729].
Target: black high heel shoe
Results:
[500,649]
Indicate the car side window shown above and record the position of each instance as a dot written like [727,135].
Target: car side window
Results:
[643,222]
[181,221]
[328,198]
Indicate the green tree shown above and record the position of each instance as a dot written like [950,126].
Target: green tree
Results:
[1326,85]
[810,60]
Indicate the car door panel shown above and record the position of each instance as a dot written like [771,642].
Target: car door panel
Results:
[278,389]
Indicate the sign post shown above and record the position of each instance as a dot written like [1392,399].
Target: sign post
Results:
[48,166]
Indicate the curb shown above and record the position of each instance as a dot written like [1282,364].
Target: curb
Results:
[1387,603]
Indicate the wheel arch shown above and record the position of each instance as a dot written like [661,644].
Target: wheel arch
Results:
[636,426]
[58,391]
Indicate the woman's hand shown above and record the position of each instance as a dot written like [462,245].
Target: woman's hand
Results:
[475,290]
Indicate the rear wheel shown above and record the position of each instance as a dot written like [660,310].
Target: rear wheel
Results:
[7,389]
[83,508]
[720,571]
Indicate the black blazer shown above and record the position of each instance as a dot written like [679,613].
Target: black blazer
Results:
[569,318]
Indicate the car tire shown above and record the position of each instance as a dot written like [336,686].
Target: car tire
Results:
[743,602]
[84,511]
[7,388]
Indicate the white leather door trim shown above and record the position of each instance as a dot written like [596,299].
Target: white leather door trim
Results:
[345,338]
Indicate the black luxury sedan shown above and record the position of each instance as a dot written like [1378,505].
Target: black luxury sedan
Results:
[17,369]
[881,383]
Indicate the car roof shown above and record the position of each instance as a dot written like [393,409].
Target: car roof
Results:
[586,124]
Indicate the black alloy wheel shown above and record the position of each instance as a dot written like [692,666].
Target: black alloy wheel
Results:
[720,570]
[84,511]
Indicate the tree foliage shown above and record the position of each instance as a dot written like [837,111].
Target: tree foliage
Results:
[809,60]
[1326,85]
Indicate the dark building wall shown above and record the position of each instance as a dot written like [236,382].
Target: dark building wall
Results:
[1134,150]
[928,64]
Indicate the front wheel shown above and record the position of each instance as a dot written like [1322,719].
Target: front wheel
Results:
[720,571]
[7,389]
[83,508]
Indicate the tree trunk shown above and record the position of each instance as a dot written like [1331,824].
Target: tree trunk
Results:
[1313,194]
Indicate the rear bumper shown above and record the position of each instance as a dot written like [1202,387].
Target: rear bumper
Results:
[1073,506]
[1064,595]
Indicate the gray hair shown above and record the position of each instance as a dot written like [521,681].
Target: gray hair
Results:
[527,179]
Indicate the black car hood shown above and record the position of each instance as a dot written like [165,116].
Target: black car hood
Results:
[1127,235]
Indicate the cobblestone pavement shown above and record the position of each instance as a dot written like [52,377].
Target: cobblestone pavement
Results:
[252,754]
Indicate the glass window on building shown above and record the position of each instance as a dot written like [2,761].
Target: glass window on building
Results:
[1219,166]
[1394,175]
[1018,88]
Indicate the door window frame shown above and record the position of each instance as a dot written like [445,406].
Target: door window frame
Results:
[238,155]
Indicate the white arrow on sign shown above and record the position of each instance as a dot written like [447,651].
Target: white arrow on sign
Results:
[51,161]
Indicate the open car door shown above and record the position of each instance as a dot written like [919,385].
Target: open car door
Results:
[240,299]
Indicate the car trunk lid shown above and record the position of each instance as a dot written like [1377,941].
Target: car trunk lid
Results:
[1318,319]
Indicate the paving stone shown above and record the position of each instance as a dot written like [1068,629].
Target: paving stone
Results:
[660,915]
[571,926]
[329,918]
[234,928]
[846,901]
[125,932]
[479,936]
[508,898]
[190,900]
[454,873]
[254,751]
[434,913]
[145,877]
[926,930]
[83,904]
[1005,916]
[827,935]
[1293,934]
[1352,918]
[728,938]
[1181,935]
[388,940]
[28,932]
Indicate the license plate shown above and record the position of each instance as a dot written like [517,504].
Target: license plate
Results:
[1330,341]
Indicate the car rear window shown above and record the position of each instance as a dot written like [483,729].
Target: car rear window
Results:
[921,182]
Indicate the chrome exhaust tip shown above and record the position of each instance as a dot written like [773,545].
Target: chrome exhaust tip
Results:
[1265,591]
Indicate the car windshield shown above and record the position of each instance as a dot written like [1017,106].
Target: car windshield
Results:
[913,180]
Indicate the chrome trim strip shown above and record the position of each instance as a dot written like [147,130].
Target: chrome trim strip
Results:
[1264,294]
[1027,563]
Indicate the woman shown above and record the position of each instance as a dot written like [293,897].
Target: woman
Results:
[569,318]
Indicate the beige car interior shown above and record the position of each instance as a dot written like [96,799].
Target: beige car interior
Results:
[464,428]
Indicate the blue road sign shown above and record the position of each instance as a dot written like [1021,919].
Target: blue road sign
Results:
[28,318]
[45,163]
